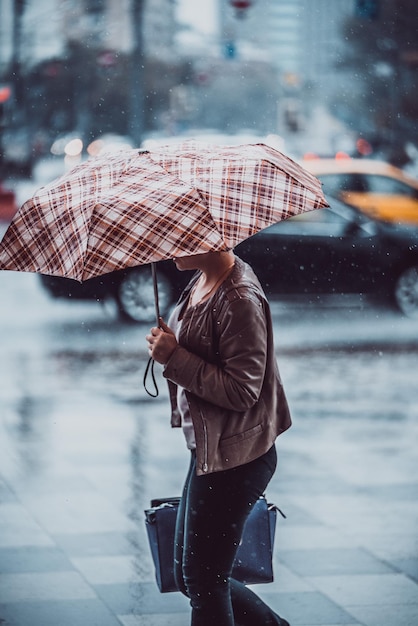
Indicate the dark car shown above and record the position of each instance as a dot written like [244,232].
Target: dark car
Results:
[329,251]
[132,289]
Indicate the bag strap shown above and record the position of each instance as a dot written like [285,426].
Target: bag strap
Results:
[274,507]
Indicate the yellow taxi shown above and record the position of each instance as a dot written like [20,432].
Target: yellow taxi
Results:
[375,187]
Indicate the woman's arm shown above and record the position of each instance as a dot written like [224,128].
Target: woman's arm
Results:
[236,381]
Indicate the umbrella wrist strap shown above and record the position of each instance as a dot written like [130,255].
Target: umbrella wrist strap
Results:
[149,370]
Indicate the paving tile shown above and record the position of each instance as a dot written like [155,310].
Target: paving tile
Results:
[6,494]
[385,589]
[390,545]
[394,492]
[318,481]
[96,544]
[158,619]
[408,567]
[75,613]
[355,513]
[112,481]
[105,570]
[18,528]
[44,586]
[289,537]
[308,608]
[379,615]
[32,559]
[295,515]
[68,482]
[140,598]
[284,581]
[325,562]
[82,512]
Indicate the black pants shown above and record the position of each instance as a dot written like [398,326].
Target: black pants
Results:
[210,523]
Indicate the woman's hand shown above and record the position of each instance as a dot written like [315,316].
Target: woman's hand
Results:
[161,343]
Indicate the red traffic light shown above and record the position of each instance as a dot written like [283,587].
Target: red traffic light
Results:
[240,6]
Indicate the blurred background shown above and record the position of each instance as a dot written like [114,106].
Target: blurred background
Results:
[320,77]
[332,84]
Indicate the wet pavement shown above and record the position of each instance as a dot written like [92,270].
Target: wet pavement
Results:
[83,449]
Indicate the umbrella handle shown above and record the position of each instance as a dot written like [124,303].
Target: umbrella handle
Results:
[156,299]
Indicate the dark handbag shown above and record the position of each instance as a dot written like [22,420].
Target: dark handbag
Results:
[253,562]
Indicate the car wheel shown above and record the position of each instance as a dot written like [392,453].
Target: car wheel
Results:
[135,295]
[406,292]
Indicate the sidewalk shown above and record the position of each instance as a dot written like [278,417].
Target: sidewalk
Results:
[82,452]
[73,549]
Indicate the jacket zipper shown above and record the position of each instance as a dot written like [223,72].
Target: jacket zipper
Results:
[205,443]
[205,430]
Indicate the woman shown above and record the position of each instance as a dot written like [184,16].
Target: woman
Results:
[226,393]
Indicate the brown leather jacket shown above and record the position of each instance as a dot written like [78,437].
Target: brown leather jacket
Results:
[226,363]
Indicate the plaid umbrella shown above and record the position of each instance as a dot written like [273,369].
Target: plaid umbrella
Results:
[135,207]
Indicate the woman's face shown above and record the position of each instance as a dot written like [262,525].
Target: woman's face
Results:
[191,262]
[204,262]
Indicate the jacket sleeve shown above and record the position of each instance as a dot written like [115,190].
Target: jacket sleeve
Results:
[235,382]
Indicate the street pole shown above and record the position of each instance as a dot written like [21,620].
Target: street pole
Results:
[18,109]
[136,71]
[18,8]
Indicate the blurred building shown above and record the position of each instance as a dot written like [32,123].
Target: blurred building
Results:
[108,24]
[84,67]
[47,26]
[39,30]
[260,71]
[268,28]
[301,38]
[323,44]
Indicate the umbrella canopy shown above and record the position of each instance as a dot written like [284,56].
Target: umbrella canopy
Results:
[135,207]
